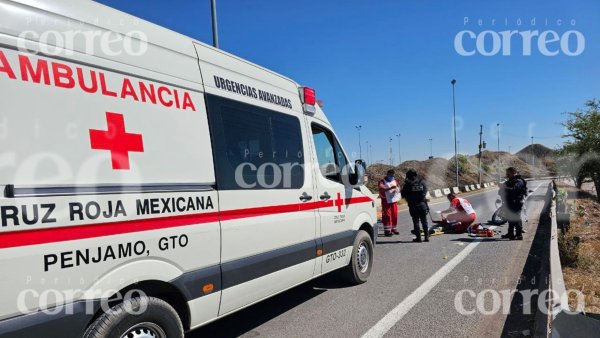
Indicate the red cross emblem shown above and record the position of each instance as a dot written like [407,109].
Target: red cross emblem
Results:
[339,202]
[116,140]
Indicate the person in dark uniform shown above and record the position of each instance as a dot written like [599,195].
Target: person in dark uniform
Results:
[414,192]
[513,193]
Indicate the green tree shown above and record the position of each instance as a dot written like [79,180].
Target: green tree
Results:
[463,165]
[583,135]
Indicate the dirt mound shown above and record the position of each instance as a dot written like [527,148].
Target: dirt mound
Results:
[494,163]
[543,157]
[440,173]
[539,151]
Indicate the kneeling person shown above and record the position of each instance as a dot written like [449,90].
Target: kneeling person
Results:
[460,211]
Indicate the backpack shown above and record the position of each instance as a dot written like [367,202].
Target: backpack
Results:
[523,192]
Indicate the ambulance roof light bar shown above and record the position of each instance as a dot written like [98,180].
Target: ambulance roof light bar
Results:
[309,99]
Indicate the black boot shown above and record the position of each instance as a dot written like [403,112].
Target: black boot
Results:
[426,232]
[418,238]
[417,232]
[511,231]
[519,229]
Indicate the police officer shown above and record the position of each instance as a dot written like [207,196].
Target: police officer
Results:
[414,192]
[513,193]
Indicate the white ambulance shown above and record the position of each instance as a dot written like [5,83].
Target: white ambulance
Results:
[151,184]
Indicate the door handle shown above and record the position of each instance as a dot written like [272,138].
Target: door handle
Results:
[325,196]
[305,197]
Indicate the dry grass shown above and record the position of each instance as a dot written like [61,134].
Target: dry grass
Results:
[580,250]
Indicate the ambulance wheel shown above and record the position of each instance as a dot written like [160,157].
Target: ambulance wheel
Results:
[361,261]
[129,320]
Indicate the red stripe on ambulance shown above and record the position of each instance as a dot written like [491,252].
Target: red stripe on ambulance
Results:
[69,233]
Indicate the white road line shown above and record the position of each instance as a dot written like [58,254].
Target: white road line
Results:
[397,313]
[531,193]
[390,319]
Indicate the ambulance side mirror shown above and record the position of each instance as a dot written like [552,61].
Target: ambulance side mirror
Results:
[356,178]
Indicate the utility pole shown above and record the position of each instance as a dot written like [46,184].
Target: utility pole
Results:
[509,149]
[453,82]
[368,157]
[391,153]
[480,147]
[359,127]
[215,34]
[532,153]
[399,155]
[431,148]
[499,158]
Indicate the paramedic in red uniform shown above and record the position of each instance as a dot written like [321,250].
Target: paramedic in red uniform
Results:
[390,195]
[460,211]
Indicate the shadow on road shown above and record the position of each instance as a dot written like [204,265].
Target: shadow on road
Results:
[395,242]
[244,321]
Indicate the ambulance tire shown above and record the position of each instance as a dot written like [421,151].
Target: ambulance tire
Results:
[361,261]
[159,320]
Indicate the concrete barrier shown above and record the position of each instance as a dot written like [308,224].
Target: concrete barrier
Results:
[486,185]
[437,193]
[455,190]
[467,188]
[473,187]
[478,186]
[446,191]
[428,195]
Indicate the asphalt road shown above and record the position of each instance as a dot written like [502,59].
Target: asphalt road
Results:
[412,290]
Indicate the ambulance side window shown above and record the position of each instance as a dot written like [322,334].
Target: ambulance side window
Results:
[331,158]
[255,148]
